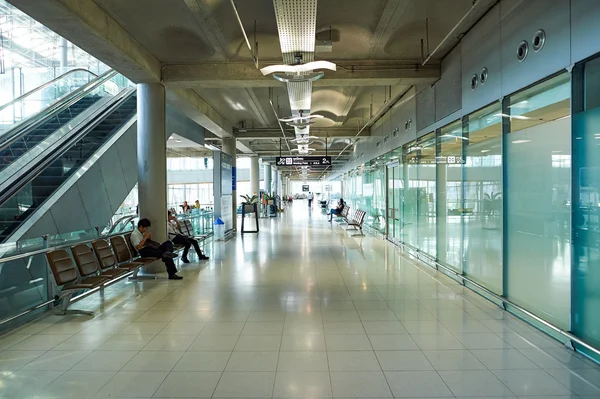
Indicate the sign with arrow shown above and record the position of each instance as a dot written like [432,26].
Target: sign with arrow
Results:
[303,161]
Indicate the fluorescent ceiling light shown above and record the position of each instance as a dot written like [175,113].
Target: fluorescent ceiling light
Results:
[299,118]
[521,141]
[178,141]
[296,69]
[454,137]
[484,151]
[520,117]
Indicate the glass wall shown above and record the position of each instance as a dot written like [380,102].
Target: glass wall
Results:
[482,188]
[508,196]
[538,183]
[586,209]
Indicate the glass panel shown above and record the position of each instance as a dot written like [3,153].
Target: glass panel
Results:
[426,193]
[483,198]
[410,154]
[450,208]
[586,213]
[538,173]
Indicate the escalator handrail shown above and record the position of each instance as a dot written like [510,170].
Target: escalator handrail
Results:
[26,175]
[23,128]
[126,217]
[47,84]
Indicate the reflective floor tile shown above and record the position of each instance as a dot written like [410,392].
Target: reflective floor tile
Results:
[20,383]
[585,382]
[158,315]
[213,343]
[377,315]
[302,385]
[134,384]
[298,342]
[344,327]
[252,361]
[362,384]
[77,384]
[302,361]
[341,315]
[263,328]
[482,341]
[106,360]
[7,341]
[14,360]
[437,341]
[353,361]
[414,384]
[173,342]
[258,343]
[347,343]
[153,361]
[474,383]
[126,342]
[384,327]
[245,385]
[503,359]
[188,385]
[454,360]
[57,360]
[83,342]
[222,328]
[183,328]
[203,361]
[40,342]
[393,342]
[403,360]
[144,327]
[531,382]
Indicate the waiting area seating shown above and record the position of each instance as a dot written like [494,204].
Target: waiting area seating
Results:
[85,267]
[357,220]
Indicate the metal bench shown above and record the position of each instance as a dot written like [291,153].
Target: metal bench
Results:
[357,221]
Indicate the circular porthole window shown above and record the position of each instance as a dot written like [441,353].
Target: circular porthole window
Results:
[474,82]
[483,76]
[538,41]
[522,51]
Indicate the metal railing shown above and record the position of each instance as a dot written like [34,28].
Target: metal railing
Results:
[61,104]
[503,300]
[45,85]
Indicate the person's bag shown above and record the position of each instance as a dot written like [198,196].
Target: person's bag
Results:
[152,244]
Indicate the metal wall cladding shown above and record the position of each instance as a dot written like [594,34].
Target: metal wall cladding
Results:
[69,213]
[425,107]
[45,225]
[585,29]
[520,21]
[92,188]
[127,148]
[480,49]
[110,166]
[404,120]
[448,90]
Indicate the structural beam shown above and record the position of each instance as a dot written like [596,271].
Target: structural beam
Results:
[349,73]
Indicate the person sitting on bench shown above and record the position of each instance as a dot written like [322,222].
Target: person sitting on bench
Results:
[337,210]
[140,239]
[178,238]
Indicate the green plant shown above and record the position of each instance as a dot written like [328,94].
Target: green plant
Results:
[249,200]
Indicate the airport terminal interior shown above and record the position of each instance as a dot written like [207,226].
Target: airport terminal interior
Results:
[299,199]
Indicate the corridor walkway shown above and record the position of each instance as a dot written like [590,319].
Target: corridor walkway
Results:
[302,310]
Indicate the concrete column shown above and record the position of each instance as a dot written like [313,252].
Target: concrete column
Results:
[152,157]
[274,180]
[229,149]
[64,59]
[254,176]
[267,178]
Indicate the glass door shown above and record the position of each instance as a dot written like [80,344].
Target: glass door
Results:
[392,213]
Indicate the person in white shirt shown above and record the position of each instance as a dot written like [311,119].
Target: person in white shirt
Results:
[310,199]
[141,240]
[177,236]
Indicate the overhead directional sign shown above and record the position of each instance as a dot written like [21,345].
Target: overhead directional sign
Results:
[303,161]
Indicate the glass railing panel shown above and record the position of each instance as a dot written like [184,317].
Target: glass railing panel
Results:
[40,98]
[24,284]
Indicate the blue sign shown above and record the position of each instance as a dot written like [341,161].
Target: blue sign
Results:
[233,178]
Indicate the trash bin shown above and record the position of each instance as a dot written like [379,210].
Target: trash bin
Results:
[219,230]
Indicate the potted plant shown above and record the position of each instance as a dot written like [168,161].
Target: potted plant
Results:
[249,203]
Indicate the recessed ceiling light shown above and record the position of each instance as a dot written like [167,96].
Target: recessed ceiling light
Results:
[178,141]
[484,151]
[521,141]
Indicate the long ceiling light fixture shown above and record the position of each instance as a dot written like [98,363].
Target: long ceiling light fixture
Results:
[301,117]
[298,68]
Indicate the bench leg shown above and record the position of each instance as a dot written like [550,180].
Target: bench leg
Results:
[64,304]
[136,276]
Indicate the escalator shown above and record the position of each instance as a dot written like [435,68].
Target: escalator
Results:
[51,147]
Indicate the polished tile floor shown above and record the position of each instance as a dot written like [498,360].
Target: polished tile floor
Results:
[302,310]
